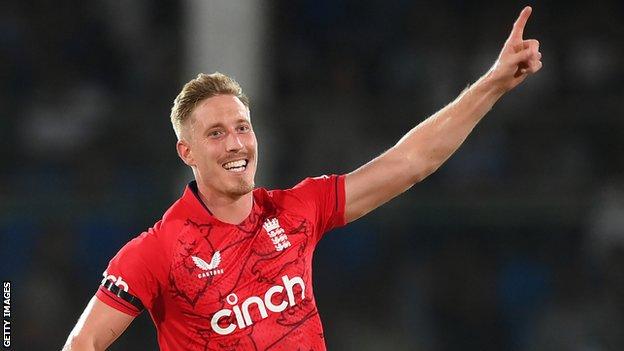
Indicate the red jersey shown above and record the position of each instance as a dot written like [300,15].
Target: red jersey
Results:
[210,285]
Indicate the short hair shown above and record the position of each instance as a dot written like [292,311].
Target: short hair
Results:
[202,87]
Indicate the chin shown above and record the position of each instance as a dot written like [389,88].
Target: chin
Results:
[242,188]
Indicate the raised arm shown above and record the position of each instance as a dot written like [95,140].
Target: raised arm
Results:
[97,328]
[428,145]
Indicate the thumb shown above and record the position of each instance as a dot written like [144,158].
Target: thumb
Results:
[520,56]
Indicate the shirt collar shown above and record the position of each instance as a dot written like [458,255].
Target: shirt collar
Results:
[198,208]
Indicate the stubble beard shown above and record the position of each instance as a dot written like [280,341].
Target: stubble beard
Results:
[243,187]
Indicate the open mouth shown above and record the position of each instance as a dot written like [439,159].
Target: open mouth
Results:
[236,166]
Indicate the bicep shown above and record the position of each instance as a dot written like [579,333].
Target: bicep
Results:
[98,326]
[376,183]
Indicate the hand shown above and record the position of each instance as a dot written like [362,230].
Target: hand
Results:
[518,59]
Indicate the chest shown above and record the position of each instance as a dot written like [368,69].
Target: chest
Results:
[211,262]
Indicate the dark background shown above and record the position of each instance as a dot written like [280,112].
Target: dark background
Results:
[517,243]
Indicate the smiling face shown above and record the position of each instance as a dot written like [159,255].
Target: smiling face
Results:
[218,142]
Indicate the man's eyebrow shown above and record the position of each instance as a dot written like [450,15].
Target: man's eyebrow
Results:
[221,125]
[214,125]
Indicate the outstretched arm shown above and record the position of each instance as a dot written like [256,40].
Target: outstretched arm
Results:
[428,145]
[97,328]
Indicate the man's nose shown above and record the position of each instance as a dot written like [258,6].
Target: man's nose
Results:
[233,142]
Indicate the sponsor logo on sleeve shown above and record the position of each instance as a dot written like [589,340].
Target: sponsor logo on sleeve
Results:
[118,281]
[119,287]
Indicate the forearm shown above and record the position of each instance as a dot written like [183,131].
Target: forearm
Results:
[420,152]
[97,328]
[428,145]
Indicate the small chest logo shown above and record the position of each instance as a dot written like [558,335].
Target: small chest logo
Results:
[276,234]
[209,269]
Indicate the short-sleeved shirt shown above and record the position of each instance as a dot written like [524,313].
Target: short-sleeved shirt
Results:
[209,285]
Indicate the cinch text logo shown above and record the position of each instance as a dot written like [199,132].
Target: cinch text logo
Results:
[243,319]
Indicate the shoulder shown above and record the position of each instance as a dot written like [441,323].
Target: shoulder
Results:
[145,246]
[313,185]
[156,240]
[306,190]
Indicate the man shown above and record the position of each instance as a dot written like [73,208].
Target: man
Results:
[229,266]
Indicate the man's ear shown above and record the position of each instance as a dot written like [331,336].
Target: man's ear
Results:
[184,151]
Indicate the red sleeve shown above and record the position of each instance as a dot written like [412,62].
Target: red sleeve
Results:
[129,283]
[325,198]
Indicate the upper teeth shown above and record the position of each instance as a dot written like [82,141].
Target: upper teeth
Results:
[234,164]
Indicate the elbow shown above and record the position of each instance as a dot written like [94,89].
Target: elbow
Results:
[420,170]
[413,167]
[428,171]
[420,176]
[79,343]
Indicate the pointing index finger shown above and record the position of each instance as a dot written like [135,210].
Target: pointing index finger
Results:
[518,27]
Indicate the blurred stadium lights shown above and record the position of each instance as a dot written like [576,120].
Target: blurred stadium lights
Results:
[228,36]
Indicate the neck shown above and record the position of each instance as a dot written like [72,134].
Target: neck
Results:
[232,210]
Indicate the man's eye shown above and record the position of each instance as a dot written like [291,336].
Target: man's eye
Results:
[243,128]
[215,134]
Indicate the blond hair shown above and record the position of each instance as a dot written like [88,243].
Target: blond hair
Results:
[202,87]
